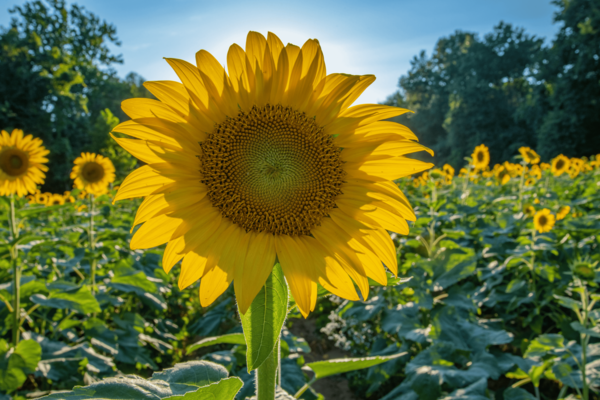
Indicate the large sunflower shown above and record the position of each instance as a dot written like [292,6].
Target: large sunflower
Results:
[560,165]
[481,157]
[93,173]
[268,161]
[22,160]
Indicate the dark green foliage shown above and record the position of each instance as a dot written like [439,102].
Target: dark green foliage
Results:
[506,90]
[56,80]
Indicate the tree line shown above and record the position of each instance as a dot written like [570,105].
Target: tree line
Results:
[508,89]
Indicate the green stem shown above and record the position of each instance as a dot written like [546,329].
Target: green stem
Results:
[304,388]
[521,187]
[584,301]
[266,376]
[92,245]
[14,253]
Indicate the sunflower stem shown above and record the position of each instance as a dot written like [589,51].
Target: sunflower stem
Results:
[92,245]
[267,375]
[14,253]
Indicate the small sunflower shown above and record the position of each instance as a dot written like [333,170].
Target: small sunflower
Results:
[502,175]
[562,212]
[481,157]
[529,155]
[42,198]
[535,172]
[268,160]
[560,165]
[545,166]
[55,200]
[93,173]
[530,182]
[448,170]
[529,210]
[22,163]
[543,221]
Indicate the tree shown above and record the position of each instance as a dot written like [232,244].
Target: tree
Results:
[57,78]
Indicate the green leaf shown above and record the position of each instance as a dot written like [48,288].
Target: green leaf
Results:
[130,280]
[323,369]
[22,361]
[264,319]
[391,280]
[195,373]
[28,212]
[82,301]
[568,303]
[226,389]
[518,394]
[592,331]
[537,372]
[544,344]
[232,338]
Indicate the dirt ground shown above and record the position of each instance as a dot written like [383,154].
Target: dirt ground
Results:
[334,387]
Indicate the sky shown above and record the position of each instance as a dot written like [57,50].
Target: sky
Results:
[357,37]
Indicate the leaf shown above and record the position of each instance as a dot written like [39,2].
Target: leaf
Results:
[131,280]
[28,212]
[568,302]
[226,389]
[195,373]
[22,361]
[544,344]
[426,383]
[323,369]
[82,301]
[232,338]
[518,394]
[592,331]
[264,319]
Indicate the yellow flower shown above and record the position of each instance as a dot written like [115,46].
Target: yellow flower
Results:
[543,221]
[535,172]
[448,170]
[55,199]
[42,198]
[22,160]
[265,161]
[545,166]
[529,210]
[529,155]
[463,172]
[530,182]
[93,173]
[560,165]
[502,174]
[536,201]
[481,157]
[562,212]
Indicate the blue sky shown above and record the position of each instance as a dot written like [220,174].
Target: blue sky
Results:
[377,37]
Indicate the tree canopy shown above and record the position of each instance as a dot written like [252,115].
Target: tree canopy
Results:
[508,90]
[57,81]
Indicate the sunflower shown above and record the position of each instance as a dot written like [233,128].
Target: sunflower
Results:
[448,170]
[22,160]
[543,221]
[502,175]
[535,172]
[545,166]
[268,161]
[481,157]
[560,165]
[529,210]
[93,173]
[42,198]
[562,212]
[55,200]
[529,155]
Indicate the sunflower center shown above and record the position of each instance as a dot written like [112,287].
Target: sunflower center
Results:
[480,156]
[543,220]
[560,164]
[272,170]
[14,162]
[92,172]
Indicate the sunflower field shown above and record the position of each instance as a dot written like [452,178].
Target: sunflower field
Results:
[495,298]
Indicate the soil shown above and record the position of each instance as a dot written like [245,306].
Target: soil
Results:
[334,387]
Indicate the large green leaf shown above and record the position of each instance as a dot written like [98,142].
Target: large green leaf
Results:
[226,389]
[82,300]
[16,364]
[264,319]
[544,344]
[591,331]
[232,338]
[131,280]
[323,369]
[195,373]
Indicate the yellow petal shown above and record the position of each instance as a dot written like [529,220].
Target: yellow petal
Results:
[171,256]
[296,273]
[192,269]
[141,182]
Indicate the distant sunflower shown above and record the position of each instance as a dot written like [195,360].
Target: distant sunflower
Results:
[535,172]
[93,173]
[560,165]
[529,155]
[55,200]
[22,163]
[545,166]
[543,221]
[481,157]
[502,175]
[562,212]
[529,211]
[265,161]
[42,198]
